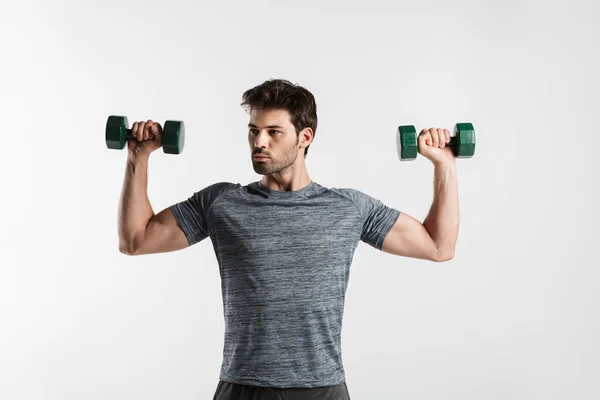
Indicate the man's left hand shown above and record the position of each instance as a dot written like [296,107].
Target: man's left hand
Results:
[432,145]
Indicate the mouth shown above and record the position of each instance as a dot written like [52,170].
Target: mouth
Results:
[260,158]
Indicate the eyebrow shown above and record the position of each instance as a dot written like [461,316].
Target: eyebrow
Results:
[270,126]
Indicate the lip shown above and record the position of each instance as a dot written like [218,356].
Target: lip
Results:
[260,157]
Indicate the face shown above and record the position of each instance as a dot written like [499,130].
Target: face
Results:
[271,133]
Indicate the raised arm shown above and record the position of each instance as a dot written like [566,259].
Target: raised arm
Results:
[161,234]
[435,239]
[140,230]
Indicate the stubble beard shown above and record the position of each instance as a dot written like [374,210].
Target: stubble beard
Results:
[272,166]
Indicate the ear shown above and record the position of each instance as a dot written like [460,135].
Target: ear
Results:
[305,137]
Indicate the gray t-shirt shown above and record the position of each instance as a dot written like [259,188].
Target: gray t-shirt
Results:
[284,259]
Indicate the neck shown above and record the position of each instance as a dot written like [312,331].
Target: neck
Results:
[286,182]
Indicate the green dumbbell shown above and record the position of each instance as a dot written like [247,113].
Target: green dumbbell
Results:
[117,133]
[462,143]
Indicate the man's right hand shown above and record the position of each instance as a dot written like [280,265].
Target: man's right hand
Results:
[148,137]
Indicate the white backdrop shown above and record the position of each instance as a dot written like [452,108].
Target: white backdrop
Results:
[512,316]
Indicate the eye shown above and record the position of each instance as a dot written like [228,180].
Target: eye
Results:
[253,131]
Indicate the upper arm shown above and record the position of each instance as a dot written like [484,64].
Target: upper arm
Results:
[409,238]
[162,234]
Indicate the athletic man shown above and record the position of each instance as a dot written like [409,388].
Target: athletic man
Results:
[284,245]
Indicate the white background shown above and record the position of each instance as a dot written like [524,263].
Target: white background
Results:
[513,316]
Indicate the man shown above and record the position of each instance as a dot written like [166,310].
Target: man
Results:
[284,245]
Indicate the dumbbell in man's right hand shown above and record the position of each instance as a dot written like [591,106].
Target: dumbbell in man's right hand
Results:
[145,136]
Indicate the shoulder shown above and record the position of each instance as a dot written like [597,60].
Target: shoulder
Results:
[218,188]
[223,186]
[354,195]
[208,195]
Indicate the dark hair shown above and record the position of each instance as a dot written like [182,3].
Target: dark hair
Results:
[283,94]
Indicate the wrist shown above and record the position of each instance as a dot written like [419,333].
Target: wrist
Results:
[137,157]
[445,164]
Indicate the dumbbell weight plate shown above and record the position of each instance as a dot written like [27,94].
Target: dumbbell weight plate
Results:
[464,136]
[173,138]
[116,132]
[406,143]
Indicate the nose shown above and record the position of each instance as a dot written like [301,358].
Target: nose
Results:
[261,140]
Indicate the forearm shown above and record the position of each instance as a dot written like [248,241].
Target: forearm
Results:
[134,207]
[443,218]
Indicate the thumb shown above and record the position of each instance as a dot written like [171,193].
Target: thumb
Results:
[156,129]
[425,138]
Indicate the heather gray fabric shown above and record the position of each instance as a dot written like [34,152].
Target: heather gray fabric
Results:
[284,259]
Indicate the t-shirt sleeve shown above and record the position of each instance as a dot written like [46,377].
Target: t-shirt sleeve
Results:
[192,214]
[378,219]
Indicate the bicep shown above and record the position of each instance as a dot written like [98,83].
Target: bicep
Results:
[409,238]
[162,234]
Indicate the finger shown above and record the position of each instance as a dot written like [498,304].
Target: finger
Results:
[141,128]
[140,131]
[147,127]
[155,129]
[148,131]
[434,136]
[425,137]
[134,129]
[441,138]
[447,134]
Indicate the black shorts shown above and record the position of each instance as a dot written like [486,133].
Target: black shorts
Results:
[235,391]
